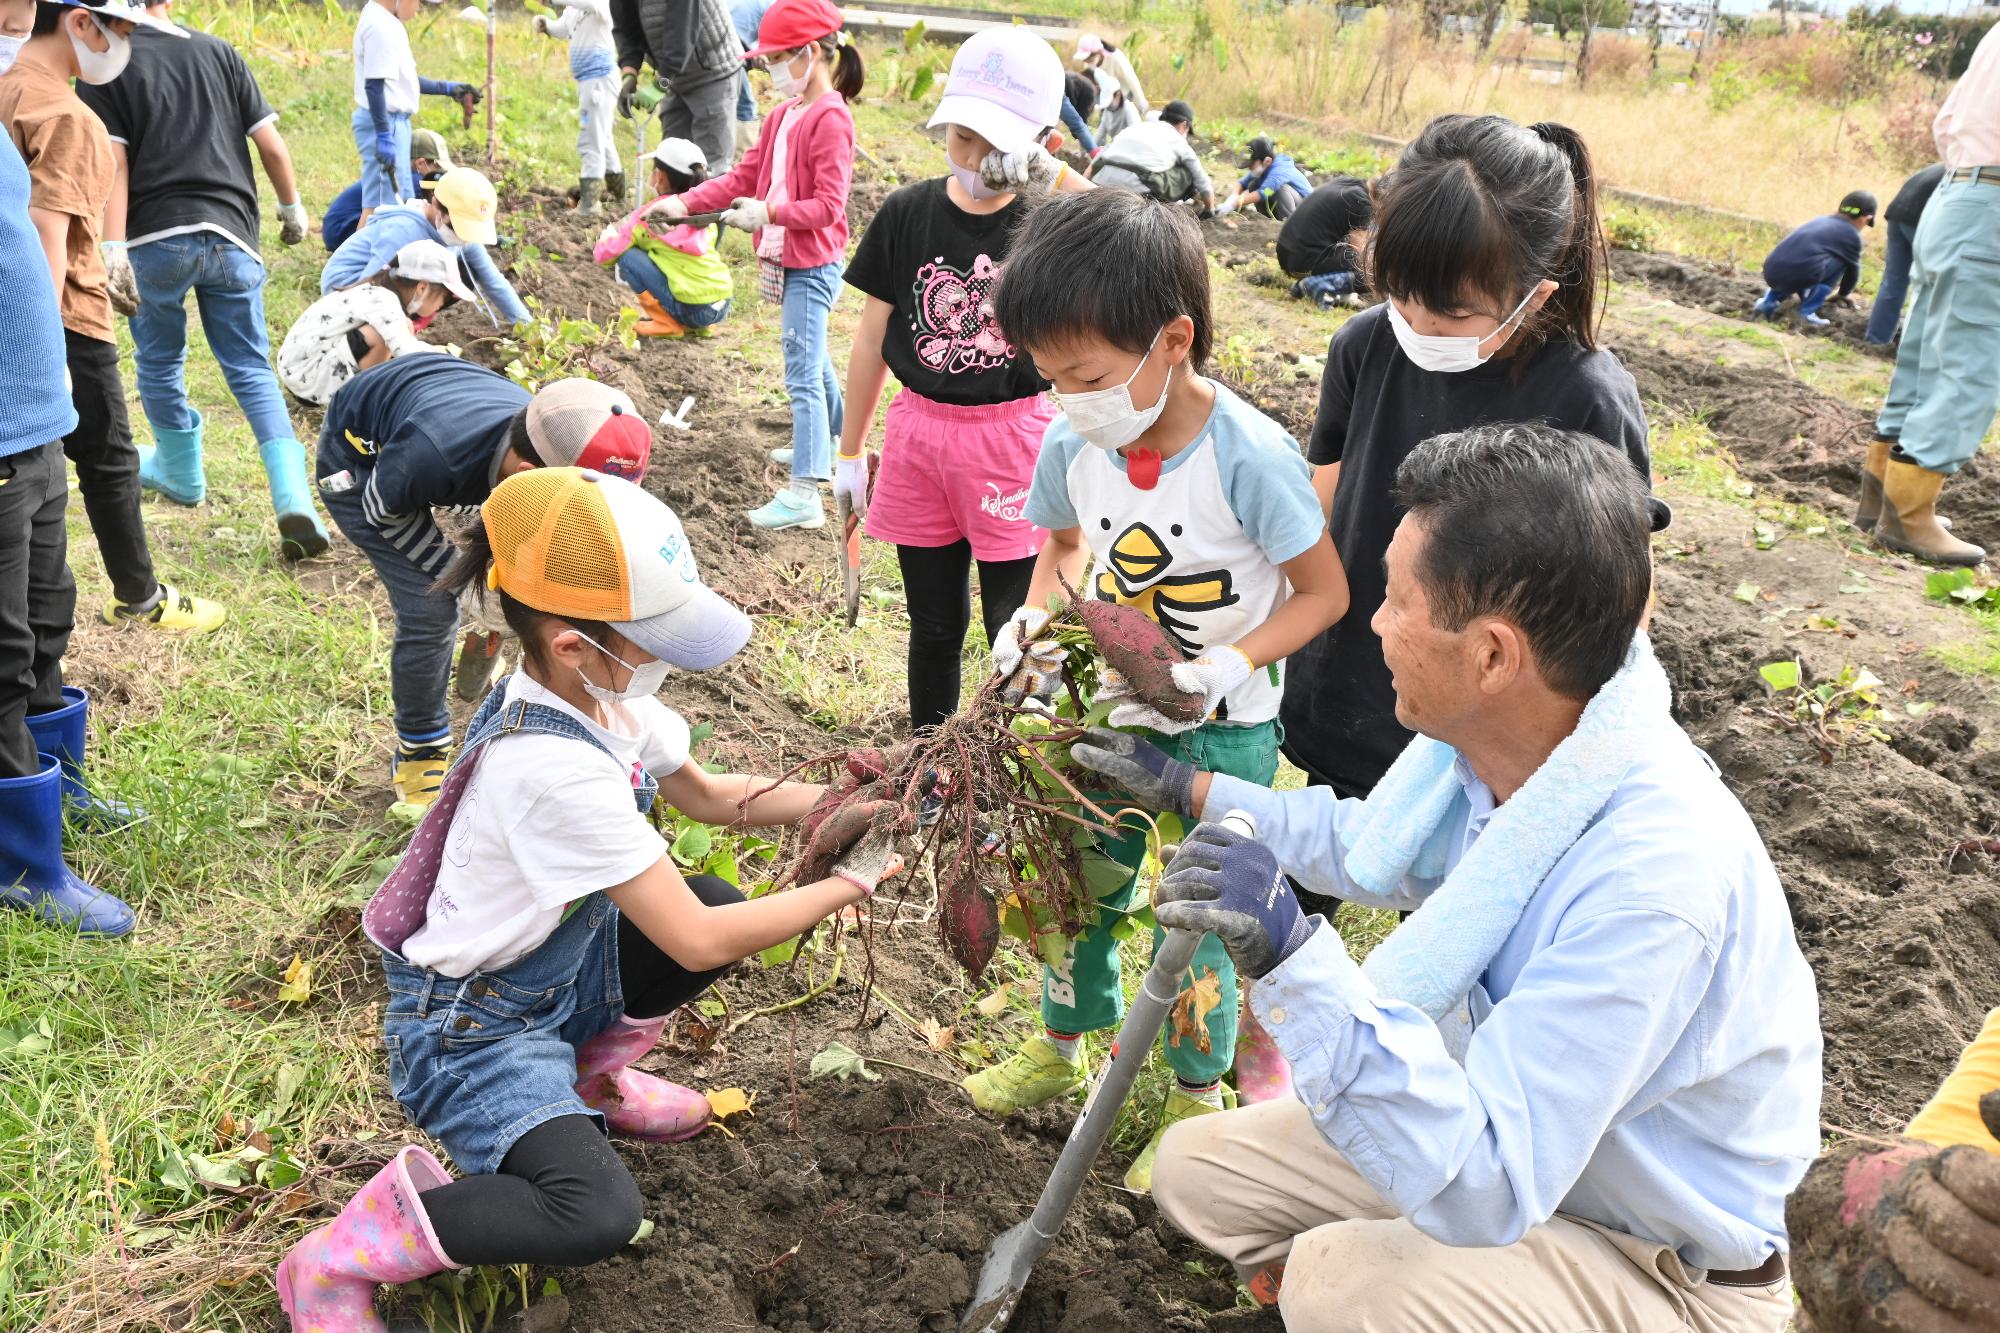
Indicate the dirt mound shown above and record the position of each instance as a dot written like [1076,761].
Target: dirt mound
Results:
[1808,444]
[1903,937]
[1241,236]
[1727,290]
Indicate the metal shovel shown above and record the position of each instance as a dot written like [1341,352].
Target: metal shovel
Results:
[1004,1275]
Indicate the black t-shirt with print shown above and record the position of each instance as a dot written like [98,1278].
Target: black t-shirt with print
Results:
[938,264]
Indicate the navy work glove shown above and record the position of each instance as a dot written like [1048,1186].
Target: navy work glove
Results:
[385,151]
[1157,779]
[461,91]
[1224,882]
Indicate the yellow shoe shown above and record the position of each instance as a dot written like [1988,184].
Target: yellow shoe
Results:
[419,774]
[171,610]
[1034,1074]
[1180,1106]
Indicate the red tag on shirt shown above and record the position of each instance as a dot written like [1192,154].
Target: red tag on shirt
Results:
[1143,467]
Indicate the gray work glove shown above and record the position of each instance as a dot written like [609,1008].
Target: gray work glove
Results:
[291,223]
[124,284]
[1223,882]
[1157,779]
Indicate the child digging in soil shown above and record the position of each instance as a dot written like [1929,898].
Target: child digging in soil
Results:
[682,282]
[1198,510]
[961,438]
[530,965]
[349,330]
[800,171]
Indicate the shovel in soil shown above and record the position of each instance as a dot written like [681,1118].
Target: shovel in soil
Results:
[1004,1276]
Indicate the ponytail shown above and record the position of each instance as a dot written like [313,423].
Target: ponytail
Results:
[469,570]
[1576,307]
[848,73]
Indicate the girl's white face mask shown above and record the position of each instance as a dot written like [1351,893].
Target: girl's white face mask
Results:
[644,684]
[1107,417]
[787,84]
[99,67]
[1447,354]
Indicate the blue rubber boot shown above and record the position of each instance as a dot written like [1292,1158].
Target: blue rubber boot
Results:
[299,529]
[62,734]
[33,875]
[173,465]
[1767,305]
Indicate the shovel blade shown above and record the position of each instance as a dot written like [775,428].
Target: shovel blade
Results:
[1002,1279]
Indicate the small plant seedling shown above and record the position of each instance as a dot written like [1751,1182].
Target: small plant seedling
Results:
[1834,713]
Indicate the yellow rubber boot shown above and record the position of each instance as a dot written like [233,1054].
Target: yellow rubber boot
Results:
[1181,1105]
[1869,509]
[1909,521]
[174,610]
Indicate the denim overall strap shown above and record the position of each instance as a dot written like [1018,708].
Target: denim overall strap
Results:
[401,904]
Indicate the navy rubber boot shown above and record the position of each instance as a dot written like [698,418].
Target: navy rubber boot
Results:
[62,734]
[33,875]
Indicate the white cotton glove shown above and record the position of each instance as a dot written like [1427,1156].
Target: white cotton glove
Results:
[481,613]
[119,277]
[1019,631]
[1212,676]
[1225,205]
[748,214]
[1032,168]
[850,479]
[292,222]
[1040,675]
[670,205]
[541,24]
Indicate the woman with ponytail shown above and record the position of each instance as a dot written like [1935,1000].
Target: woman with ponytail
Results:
[1489,255]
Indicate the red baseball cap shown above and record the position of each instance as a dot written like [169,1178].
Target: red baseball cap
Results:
[791,24]
[584,423]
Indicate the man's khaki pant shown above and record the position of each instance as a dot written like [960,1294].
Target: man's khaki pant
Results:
[1259,1185]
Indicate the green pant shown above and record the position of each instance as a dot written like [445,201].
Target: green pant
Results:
[1084,995]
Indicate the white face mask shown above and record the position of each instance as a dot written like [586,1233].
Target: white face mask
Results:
[1106,417]
[787,84]
[645,683]
[9,48]
[970,181]
[96,67]
[1443,353]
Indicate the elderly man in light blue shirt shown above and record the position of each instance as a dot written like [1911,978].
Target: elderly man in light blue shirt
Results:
[1573,1090]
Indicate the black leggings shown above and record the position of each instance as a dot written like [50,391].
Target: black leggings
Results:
[939,598]
[562,1196]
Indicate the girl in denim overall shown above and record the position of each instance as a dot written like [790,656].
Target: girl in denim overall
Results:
[536,933]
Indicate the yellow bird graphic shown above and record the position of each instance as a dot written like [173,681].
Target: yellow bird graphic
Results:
[1132,574]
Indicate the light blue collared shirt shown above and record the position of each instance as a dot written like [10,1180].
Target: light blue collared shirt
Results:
[1645,1046]
[369,250]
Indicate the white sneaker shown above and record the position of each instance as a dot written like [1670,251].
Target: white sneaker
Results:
[788,511]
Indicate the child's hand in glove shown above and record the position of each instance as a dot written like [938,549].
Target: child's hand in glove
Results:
[1032,169]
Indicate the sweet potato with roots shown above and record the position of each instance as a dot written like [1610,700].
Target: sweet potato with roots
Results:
[970,920]
[1133,644]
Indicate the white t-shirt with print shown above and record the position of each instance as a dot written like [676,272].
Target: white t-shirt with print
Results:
[1200,552]
[545,820]
[382,51]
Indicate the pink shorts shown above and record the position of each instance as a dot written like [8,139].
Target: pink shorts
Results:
[951,473]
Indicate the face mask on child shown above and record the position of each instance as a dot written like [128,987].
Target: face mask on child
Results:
[1445,354]
[645,683]
[99,67]
[9,48]
[970,181]
[1106,417]
[787,84]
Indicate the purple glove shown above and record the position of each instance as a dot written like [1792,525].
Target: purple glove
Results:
[1224,882]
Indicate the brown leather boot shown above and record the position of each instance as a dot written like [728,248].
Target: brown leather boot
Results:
[1908,521]
[657,322]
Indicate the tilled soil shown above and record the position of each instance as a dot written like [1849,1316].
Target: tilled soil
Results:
[1728,290]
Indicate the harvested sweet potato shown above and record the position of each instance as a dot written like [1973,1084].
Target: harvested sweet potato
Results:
[840,829]
[1133,643]
[970,921]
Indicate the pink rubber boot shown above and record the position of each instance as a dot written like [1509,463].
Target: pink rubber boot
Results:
[327,1281]
[1262,1075]
[636,1104]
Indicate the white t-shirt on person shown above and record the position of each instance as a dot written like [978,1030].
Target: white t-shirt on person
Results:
[545,820]
[382,51]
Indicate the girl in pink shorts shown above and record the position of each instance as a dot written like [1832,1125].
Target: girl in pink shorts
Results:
[961,437]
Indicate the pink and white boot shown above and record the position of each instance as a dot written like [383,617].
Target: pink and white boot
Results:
[327,1281]
[1262,1073]
[636,1104]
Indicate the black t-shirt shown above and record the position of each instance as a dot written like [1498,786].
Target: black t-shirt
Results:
[1081,92]
[1375,405]
[1314,237]
[937,264]
[1908,205]
[184,110]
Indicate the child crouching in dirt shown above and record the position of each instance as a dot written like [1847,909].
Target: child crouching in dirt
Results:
[682,282]
[536,933]
[1194,507]
[961,438]
[351,329]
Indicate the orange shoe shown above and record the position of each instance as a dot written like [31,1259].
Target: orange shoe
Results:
[1266,1283]
[657,322]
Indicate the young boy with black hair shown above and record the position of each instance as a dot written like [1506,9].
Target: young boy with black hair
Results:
[433,432]
[1272,183]
[1814,257]
[1192,506]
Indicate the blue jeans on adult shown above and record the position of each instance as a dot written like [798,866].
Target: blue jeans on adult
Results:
[810,380]
[1901,239]
[377,190]
[228,286]
[1073,121]
[1947,381]
[426,625]
[746,104]
[641,274]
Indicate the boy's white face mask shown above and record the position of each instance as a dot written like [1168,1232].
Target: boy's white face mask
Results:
[1107,418]
[9,48]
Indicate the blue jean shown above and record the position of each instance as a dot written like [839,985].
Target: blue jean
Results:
[377,190]
[817,407]
[1900,238]
[1317,285]
[746,104]
[1947,379]
[1073,121]
[426,624]
[641,274]
[228,286]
